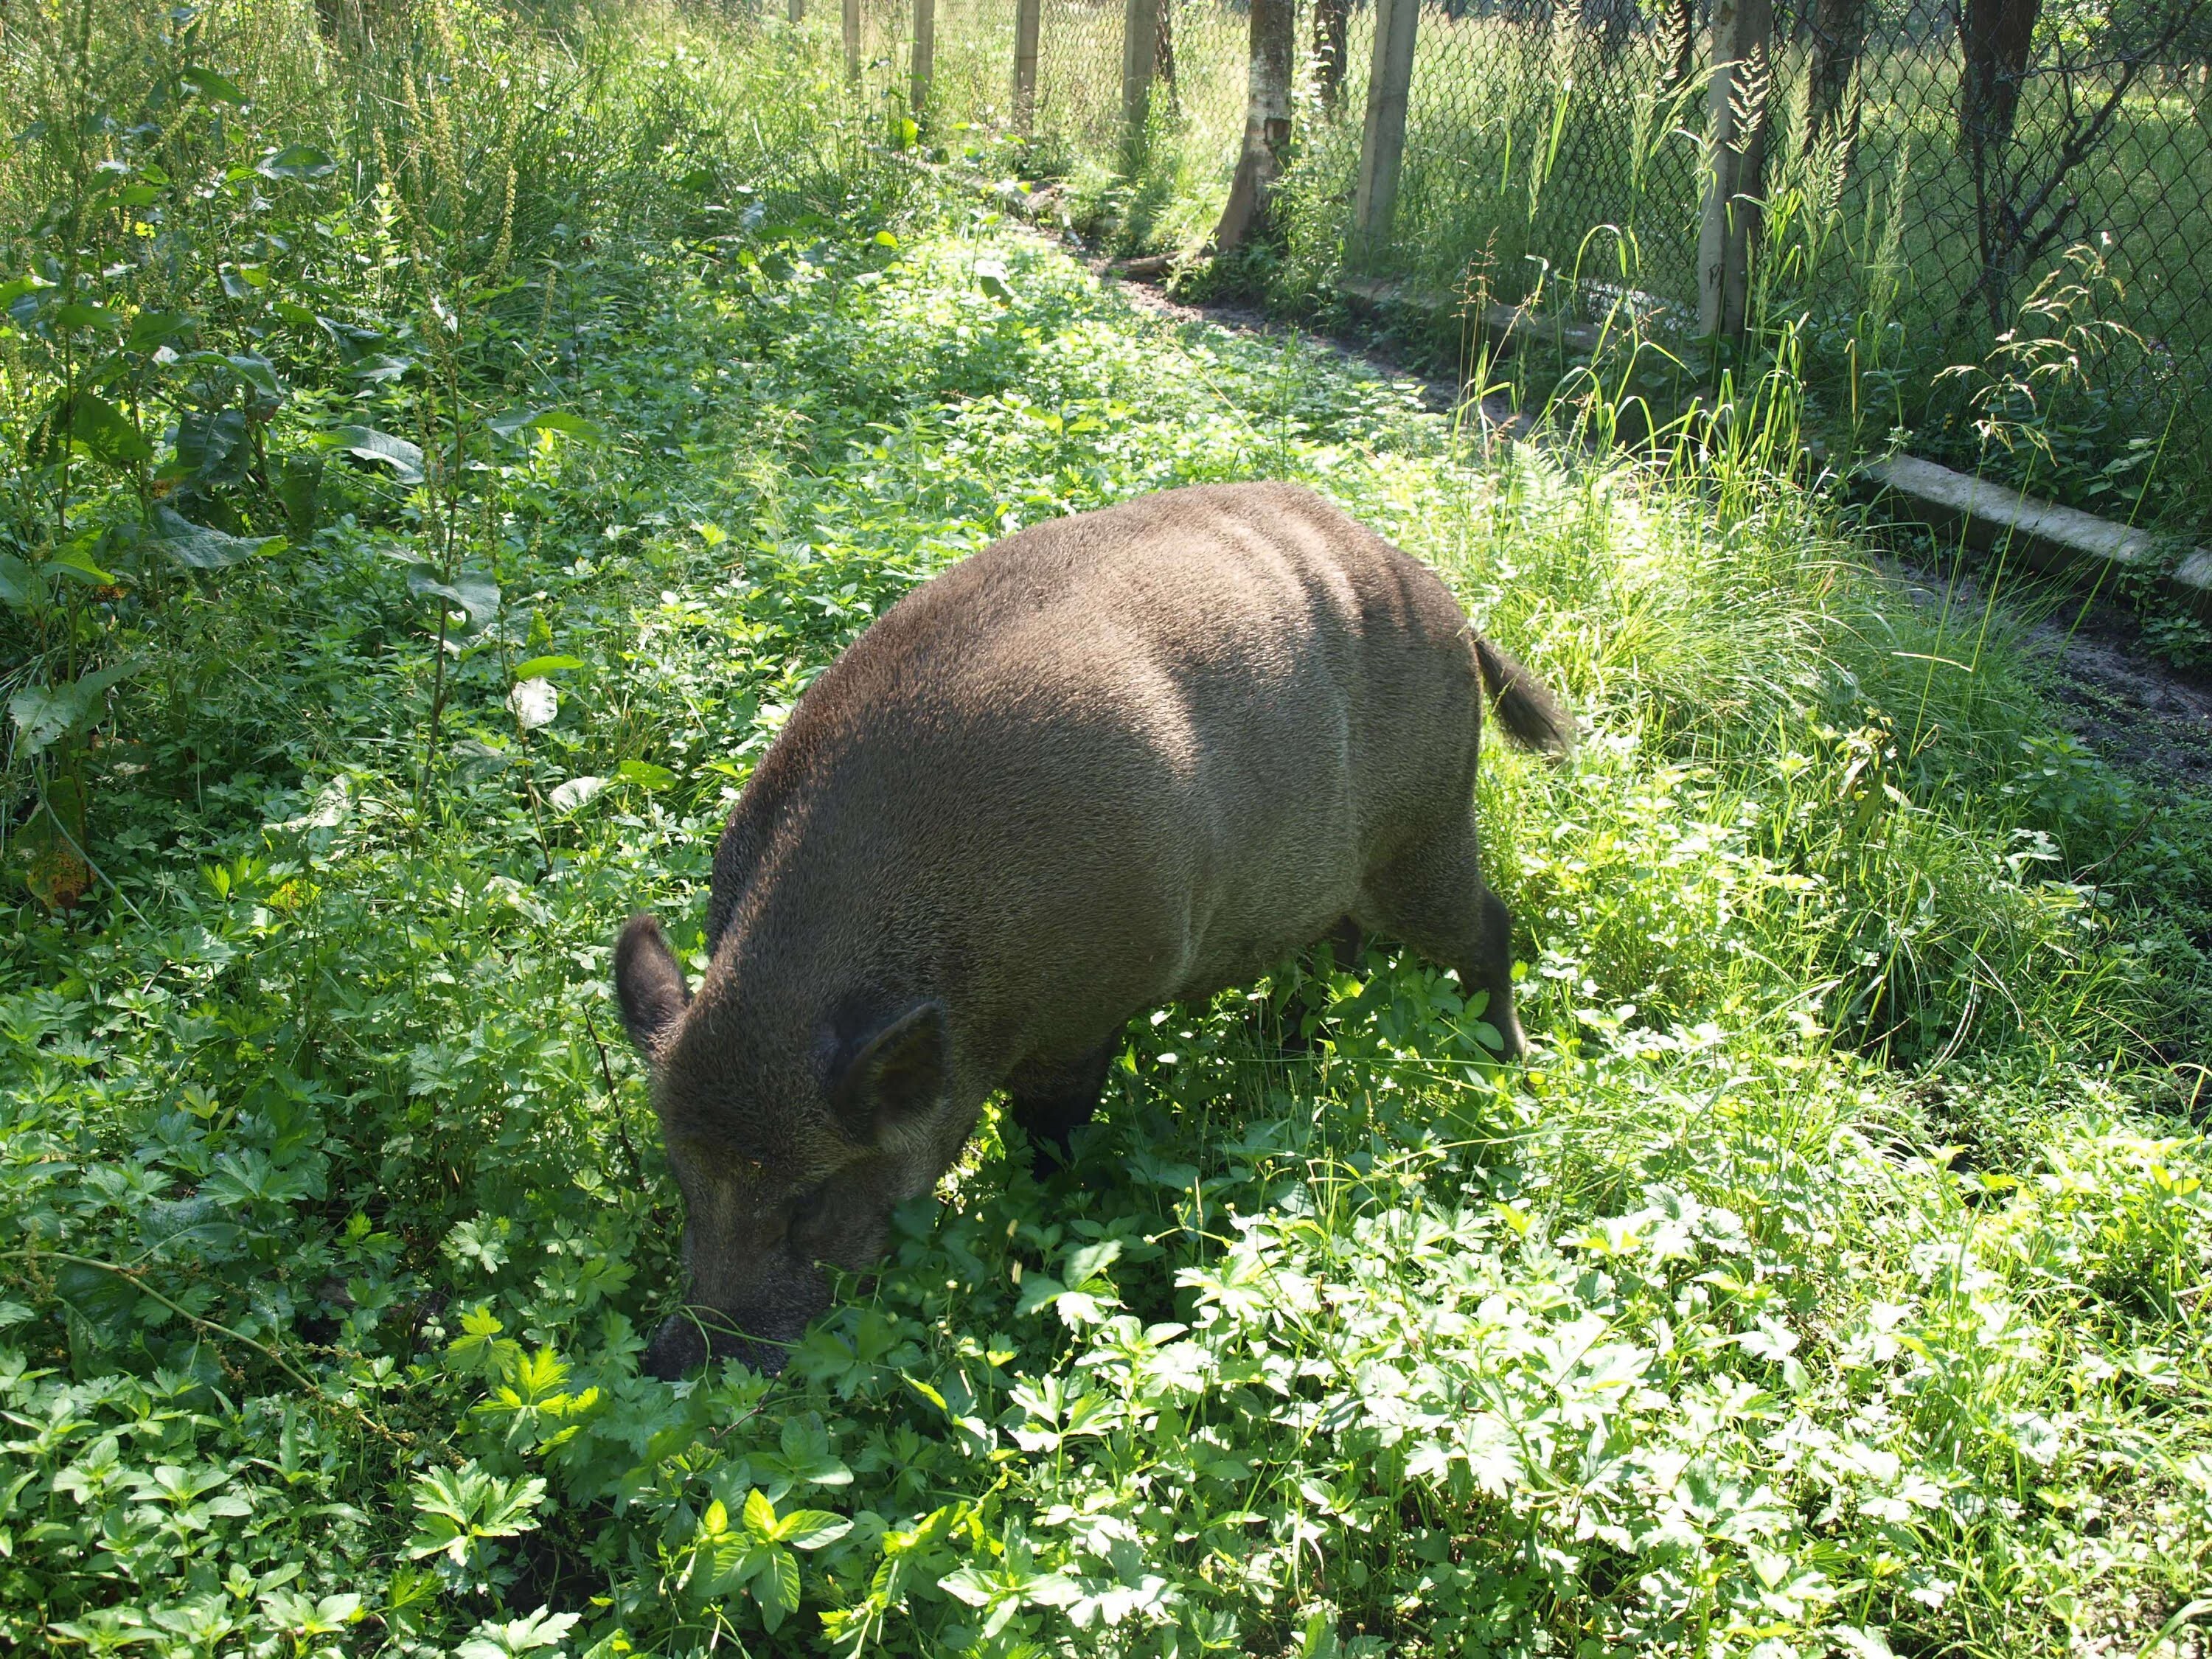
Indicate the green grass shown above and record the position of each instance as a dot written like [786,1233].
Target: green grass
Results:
[1835,1279]
[1541,168]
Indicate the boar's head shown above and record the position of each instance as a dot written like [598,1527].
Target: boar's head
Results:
[792,1140]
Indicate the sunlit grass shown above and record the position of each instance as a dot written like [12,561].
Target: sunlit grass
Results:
[1834,1276]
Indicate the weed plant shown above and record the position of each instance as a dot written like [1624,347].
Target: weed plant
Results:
[445,455]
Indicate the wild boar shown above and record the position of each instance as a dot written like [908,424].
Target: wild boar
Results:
[1116,760]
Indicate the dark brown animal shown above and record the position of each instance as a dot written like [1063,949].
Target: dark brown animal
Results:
[1116,760]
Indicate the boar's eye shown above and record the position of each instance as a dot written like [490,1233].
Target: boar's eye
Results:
[808,1204]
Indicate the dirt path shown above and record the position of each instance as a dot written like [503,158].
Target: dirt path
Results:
[2137,711]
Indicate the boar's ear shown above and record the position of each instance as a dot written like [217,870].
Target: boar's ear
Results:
[649,983]
[895,1075]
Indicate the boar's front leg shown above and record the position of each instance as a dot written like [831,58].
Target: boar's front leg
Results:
[1052,1099]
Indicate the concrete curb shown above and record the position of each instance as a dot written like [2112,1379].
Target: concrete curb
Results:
[1508,326]
[2062,541]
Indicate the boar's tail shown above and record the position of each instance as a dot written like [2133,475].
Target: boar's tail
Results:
[1532,716]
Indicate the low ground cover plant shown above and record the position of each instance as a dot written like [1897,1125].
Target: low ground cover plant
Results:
[1834,1280]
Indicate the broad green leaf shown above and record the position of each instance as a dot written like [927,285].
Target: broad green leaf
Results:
[21,586]
[381,369]
[1086,1264]
[258,371]
[760,1516]
[543,419]
[404,460]
[810,1530]
[296,161]
[776,1589]
[506,1639]
[471,591]
[170,533]
[16,287]
[76,314]
[539,667]
[459,1506]
[575,794]
[75,562]
[207,439]
[45,714]
[209,84]
[644,773]
[151,329]
[972,1585]
[1037,1289]
[105,431]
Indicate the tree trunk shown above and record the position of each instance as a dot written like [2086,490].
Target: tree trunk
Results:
[1997,38]
[1332,48]
[1839,28]
[1267,122]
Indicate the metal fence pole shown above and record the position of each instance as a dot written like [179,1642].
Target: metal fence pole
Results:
[1140,32]
[1025,62]
[925,53]
[1742,33]
[798,12]
[1382,135]
[852,28]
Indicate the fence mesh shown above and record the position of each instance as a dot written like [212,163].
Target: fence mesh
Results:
[2021,187]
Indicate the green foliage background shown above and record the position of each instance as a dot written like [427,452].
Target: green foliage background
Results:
[531,407]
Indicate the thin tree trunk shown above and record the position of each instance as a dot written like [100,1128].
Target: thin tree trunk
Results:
[1332,48]
[1996,37]
[1839,28]
[1267,122]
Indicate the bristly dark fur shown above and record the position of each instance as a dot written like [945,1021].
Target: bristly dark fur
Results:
[1116,760]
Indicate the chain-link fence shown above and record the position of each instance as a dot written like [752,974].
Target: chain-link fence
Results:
[2017,191]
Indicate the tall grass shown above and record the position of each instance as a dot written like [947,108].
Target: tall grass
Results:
[1563,172]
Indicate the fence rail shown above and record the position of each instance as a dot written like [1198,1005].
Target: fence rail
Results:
[2018,192]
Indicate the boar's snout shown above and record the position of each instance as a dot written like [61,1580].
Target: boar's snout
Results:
[681,1347]
[758,1333]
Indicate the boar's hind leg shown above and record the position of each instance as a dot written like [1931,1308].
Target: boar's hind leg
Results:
[1052,1101]
[1432,896]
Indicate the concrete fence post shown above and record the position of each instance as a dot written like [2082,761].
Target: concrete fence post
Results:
[1383,134]
[1140,36]
[1026,17]
[925,53]
[1736,136]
